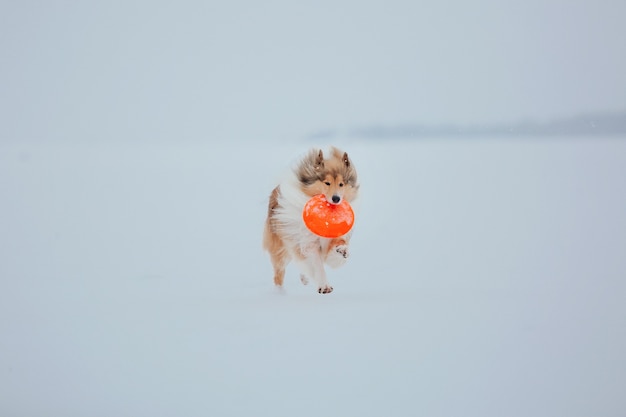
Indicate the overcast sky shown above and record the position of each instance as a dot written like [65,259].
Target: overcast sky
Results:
[154,70]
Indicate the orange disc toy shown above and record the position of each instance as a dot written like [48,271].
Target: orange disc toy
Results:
[326,219]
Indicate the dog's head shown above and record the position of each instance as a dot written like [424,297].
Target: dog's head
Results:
[335,177]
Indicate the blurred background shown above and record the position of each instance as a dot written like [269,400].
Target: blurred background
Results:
[221,71]
[139,141]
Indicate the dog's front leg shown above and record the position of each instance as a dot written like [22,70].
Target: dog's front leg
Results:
[312,265]
[337,252]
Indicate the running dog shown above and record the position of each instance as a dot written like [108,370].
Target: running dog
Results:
[287,238]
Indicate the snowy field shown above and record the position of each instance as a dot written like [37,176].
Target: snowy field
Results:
[487,278]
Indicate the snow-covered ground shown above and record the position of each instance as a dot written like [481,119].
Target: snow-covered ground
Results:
[487,278]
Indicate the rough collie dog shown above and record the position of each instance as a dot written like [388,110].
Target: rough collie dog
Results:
[287,238]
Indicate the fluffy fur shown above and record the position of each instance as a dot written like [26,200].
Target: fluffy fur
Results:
[286,237]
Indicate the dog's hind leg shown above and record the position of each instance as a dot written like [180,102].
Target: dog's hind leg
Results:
[279,262]
[273,243]
[278,256]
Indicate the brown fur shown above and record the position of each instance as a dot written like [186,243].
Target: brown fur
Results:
[334,177]
[273,243]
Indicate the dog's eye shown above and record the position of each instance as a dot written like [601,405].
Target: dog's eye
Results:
[341,184]
[327,183]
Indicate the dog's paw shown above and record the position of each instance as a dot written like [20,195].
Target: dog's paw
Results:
[304,279]
[326,289]
[337,256]
[342,250]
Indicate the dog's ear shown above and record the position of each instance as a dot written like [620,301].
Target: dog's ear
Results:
[319,160]
[345,159]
